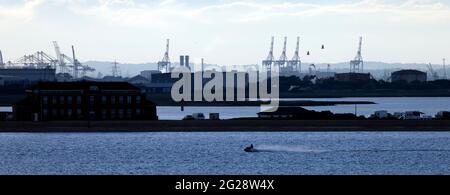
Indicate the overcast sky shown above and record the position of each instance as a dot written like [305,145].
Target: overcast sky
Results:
[228,31]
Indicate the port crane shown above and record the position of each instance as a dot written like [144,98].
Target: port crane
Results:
[296,62]
[267,63]
[78,67]
[38,60]
[66,62]
[61,58]
[357,64]
[281,63]
[164,64]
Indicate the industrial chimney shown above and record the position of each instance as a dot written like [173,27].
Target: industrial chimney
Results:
[181,60]
[186,62]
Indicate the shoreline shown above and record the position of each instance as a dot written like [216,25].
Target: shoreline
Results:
[227,126]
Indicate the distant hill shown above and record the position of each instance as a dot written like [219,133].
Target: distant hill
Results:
[126,69]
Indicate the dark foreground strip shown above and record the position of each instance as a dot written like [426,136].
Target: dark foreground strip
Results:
[227,126]
[224,184]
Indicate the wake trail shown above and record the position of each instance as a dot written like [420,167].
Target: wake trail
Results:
[305,149]
[279,148]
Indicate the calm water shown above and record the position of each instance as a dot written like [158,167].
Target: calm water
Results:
[428,105]
[221,153]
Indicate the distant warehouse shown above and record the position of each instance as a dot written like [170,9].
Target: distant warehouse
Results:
[30,74]
[352,77]
[409,76]
[84,100]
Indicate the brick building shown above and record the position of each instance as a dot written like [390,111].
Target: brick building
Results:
[84,100]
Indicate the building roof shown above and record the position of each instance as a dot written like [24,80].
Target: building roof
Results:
[409,71]
[353,74]
[137,78]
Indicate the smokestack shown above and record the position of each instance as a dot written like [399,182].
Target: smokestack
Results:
[181,60]
[186,62]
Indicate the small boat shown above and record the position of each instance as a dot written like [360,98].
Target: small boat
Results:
[250,149]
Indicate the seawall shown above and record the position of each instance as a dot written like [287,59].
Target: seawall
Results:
[227,126]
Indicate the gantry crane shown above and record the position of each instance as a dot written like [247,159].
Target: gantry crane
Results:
[269,61]
[164,64]
[357,64]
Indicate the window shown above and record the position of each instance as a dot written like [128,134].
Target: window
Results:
[54,100]
[54,112]
[78,99]
[113,114]
[121,100]
[129,99]
[69,113]
[79,113]
[45,112]
[69,100]
[121,113]
[62,112]
[103,114]
[103,99]
[129,113]
[113,99]
[92,100]
[93,88]
[138,99]
[61,99]
[45,100]
[138,112]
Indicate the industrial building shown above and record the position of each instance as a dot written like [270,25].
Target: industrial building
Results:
[30,74]
[352,77]
[409,76]
[12,80]
[149,73]
[84,100]
[138,80]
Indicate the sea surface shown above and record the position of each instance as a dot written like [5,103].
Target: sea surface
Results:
[284,153]
[428,105]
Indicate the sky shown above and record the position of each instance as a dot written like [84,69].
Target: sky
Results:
[228,32]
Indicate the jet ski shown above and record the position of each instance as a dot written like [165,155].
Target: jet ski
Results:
[250,149]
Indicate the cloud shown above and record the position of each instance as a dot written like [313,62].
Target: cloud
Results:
[228,27]
[133,13]
[23,12]
[130,13]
